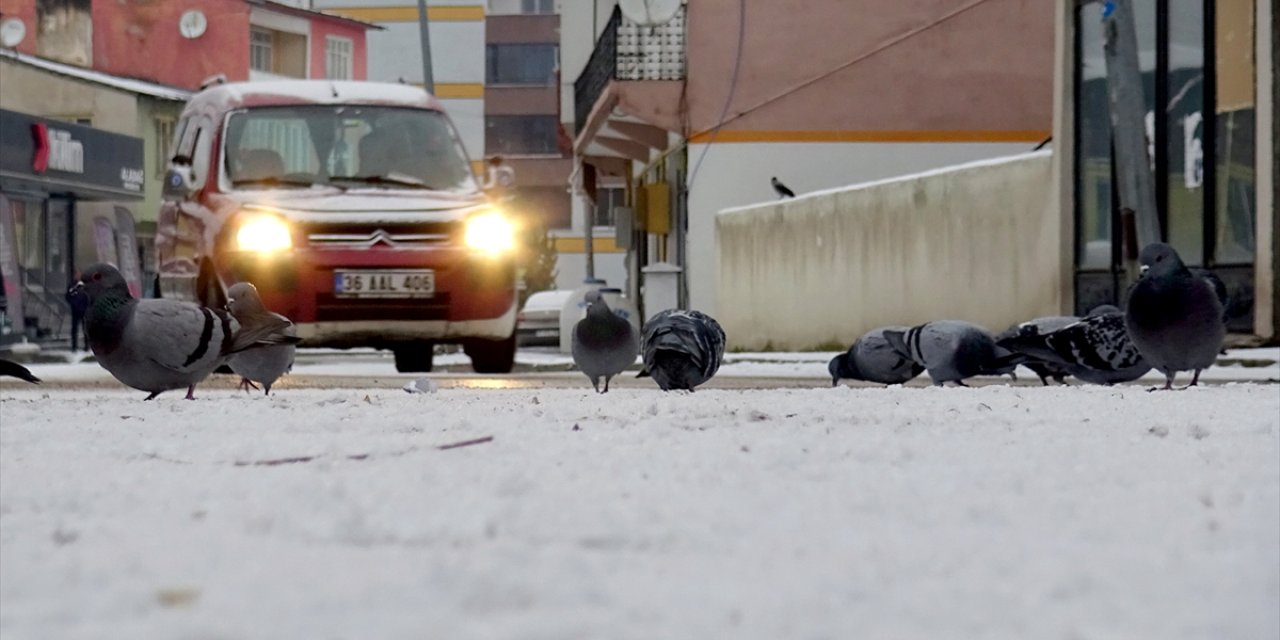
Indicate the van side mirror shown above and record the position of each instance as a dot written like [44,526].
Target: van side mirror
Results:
[177,180]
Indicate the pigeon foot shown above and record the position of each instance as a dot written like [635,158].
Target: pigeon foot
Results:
[152,396]
[191,392]
[246,384]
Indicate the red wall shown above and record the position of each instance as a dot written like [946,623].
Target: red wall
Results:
[141,40]
[320,28]
[26,10]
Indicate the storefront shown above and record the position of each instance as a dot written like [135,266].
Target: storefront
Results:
[49,171]
[1199,68]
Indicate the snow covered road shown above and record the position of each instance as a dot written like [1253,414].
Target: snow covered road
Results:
[994,512]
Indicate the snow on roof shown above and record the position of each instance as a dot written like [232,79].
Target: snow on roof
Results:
[322,92]
[142,87]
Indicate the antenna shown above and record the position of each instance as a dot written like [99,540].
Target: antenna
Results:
[650,13]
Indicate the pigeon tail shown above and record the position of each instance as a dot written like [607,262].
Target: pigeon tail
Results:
[15,370]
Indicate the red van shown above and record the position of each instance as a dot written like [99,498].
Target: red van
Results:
[353,208]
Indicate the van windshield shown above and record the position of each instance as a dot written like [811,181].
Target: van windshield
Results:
[345,146]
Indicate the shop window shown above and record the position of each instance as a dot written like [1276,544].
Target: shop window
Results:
[1235,133]
[164,129]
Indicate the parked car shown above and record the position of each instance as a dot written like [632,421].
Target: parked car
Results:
[538,323]
[353,208]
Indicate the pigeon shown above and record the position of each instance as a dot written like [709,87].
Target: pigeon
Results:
[603,343]
[783,191]
[1219,287]
[681,349]
[1173,316]
[267,364]
[1095,349]
[15,370]
[158,345]
[873,359]
[952,350]
[1043,369]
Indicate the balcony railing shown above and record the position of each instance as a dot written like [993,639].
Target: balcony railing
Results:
[630,51]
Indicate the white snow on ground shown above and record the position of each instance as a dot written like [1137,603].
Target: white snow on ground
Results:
[995,512]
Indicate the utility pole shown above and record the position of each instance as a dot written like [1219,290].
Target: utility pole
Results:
[1128,121]
[428,81]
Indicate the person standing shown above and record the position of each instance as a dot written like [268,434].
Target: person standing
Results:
[79,303]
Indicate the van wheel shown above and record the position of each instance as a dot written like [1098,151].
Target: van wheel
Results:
[492,356]
[415,357]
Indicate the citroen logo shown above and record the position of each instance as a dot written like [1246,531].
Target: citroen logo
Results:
[383,237]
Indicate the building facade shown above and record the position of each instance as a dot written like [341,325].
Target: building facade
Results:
[456,34]
[696,114]
[184,42]
[1207,73]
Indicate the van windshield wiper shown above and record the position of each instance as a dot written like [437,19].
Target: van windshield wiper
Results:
[397,180]
[273,181]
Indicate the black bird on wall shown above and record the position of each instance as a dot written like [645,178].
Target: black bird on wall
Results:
[782,189]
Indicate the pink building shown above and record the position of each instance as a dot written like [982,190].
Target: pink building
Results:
[183,42]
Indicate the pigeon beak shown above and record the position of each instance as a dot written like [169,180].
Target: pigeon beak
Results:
[1142,271]
[78,287]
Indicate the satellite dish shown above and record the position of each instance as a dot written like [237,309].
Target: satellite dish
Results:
[650,13]
[192,24]
[12,31]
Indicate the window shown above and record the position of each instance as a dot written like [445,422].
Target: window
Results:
[521,135]
[260,42]
[164,144]
[337,58]
[538,6]
[520,64]
[607,200]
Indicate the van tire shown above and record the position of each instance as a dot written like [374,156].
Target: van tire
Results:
[415,357]
[492,356]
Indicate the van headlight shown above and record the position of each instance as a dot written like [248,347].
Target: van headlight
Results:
[491,233]
[264,234]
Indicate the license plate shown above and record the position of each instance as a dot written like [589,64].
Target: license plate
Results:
[370,283]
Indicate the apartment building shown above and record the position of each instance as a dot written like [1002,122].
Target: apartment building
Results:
[694,112]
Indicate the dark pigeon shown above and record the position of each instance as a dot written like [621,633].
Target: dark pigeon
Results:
[781,189]
[159,345]
[15,370]
[1219,287]
[952,350]
[267,364]
[1043,369]
[873,359]
[1173,316]
[603,343]
[1095,349]
[681,349]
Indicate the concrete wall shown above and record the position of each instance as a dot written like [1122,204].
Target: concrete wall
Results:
[978,242]
[737,174]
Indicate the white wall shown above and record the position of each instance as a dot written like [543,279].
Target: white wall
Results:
[571,269]
[457,52]
[736,174]
[981,243]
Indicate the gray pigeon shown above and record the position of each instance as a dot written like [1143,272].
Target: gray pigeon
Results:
[1173,316]
[681,349]
[1043,369]
[952,350]
[603,343]
[15,370]
[158,345]
[873,359]
[267,364]
[1095,349]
